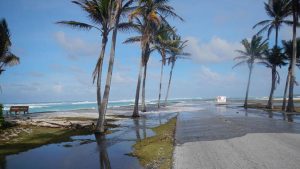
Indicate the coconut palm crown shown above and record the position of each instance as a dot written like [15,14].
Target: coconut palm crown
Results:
[7,58]
[253,51]
[278,11]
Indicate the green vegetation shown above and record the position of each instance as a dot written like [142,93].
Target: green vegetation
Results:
[32,137]
[157,150]
[253,50]
[280,12]
[7,58]
[275,108]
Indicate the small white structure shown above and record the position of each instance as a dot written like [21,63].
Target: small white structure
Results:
[221,99]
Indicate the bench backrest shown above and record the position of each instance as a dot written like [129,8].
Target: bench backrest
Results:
[19,108]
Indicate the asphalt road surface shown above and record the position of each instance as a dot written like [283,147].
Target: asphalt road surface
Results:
[220,137]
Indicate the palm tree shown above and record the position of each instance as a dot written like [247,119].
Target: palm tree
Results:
[288,51]
[99,12]
[149,13]
[118,8]
[7,58]
[273,58]
[253,51]
[105,16]
[177,52]
[277,10]
[163,45]
[295,11]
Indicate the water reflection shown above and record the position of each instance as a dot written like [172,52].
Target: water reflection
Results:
[270,113]
[140,127]
[103,155]
[144,128]
[290,118]
[136,123]
[2,162]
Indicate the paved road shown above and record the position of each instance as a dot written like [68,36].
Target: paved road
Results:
[219,138]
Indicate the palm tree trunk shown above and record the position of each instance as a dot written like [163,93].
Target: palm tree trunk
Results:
[248,85]
[290,107]
[160,83]
[144,89]
[287,84]
[110,67]
[137,92]
[99,76]
[270,102]
[169,84]
[145,50]
[276,36]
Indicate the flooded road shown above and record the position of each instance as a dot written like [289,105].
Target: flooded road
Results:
[91,151]
[229,137]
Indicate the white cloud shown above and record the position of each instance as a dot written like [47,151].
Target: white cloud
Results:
[58,88]
[216,50]
[214,78]
[122,79]
[75,47]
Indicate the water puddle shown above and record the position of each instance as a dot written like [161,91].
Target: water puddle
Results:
[91,151]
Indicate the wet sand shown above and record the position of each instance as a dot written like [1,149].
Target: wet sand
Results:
[220,138]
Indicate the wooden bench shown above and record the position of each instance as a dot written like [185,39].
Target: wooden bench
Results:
[16,109]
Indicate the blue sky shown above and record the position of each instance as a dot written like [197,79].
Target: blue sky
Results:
[57,62]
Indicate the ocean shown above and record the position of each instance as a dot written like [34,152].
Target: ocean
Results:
[79,105]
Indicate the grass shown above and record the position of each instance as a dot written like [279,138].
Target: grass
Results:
[264,107]
[37,137]
[157,151]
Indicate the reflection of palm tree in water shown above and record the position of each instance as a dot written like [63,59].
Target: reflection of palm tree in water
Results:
[144,127]
[103,155]
[136,123]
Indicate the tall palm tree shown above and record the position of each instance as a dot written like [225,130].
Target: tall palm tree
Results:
[163,44]
[99,12]
[118,8]
[278,11]
[273,58]
[288,51]
[295,12]
[253,50]
[105,16]
[7,58]
[177,52]
[151,14]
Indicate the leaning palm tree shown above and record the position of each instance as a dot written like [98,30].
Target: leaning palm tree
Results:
[273,58]
[119,7]
[105,14]
[99,12]
[295,9]
[288,51]
[278,11]
[177,52]
[7,58]
[151,14]
[163,45]
[253,51]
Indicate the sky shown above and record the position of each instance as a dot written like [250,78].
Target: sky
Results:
[57,61]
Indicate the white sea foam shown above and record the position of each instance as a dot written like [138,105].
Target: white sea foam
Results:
[83,102]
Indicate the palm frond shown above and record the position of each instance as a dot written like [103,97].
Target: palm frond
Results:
[133,39]
[239,64]
[78,25]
